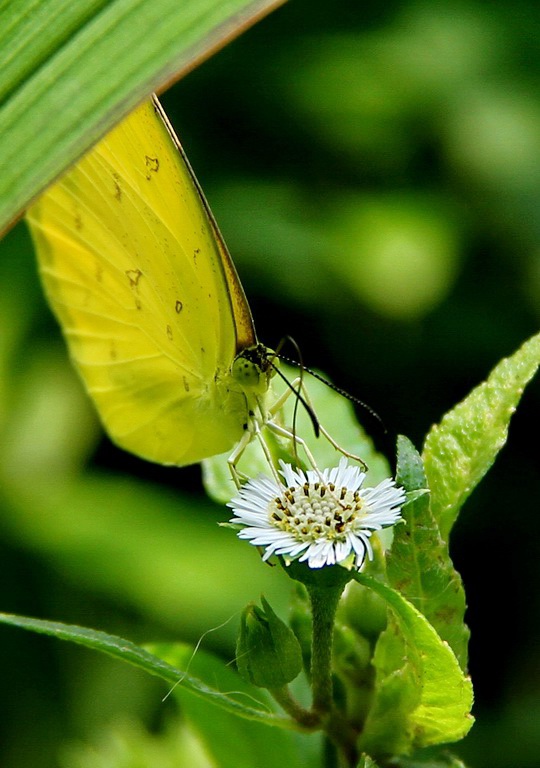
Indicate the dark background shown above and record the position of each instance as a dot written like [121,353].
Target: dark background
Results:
[376,174]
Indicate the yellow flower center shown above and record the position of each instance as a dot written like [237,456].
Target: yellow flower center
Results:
[315,511]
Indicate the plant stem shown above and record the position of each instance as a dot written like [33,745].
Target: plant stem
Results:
[324,602]
[304,717]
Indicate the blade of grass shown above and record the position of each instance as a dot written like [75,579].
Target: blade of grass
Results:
[70,71]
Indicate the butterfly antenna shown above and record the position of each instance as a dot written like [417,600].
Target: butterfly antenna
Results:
[299,397]
[299,364]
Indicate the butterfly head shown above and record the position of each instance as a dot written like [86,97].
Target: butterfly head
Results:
[253,368]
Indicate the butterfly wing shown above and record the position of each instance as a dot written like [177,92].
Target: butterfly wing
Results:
[147,296]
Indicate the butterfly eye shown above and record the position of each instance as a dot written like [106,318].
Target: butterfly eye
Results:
[252,370]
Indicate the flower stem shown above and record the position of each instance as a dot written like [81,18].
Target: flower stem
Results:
[324,602]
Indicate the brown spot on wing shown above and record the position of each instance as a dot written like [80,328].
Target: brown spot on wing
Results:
[133,275]
[152,166]
[117,188]
[77,217]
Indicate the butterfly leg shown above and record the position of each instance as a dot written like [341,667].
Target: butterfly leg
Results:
[298,385]
[236,455]
[282,432]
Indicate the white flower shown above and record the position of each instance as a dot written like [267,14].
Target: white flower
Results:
[316,517]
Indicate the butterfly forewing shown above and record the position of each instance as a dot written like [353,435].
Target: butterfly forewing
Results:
[134,269]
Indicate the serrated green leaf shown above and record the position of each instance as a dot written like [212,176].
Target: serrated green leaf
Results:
[419,565]
[397,694]
[70,71]
[128,652]
[459,451]
[421,697]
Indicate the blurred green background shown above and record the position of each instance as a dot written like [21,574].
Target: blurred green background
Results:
[376,174]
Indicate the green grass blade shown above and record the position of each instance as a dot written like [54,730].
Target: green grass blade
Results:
[70,71]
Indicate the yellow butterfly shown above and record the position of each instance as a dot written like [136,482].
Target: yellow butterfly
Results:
[148,298]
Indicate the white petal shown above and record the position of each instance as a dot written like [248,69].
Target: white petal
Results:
[342,550]
[314,556]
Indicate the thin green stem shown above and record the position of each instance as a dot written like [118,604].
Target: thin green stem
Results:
[304,717]
[324,602]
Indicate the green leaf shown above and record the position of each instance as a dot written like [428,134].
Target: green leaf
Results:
[70,71]
[421,697]
[419,565]
[230,741]
[128,652]
[459,451]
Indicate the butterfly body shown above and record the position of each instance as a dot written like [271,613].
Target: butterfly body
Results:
[148,298]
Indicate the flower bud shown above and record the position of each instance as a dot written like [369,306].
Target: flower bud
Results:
[267,652]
